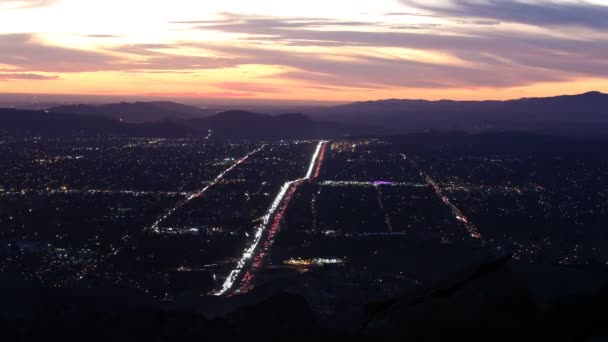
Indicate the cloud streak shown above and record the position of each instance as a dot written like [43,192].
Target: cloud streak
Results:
[491,57]
[25,3]
[27,53]
[434,46]
[20,76]
[539,13]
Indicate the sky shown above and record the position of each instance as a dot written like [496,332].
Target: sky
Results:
[321,50]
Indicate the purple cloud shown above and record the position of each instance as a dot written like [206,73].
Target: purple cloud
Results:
[494,57]
[540,13]
[25,52]
[26,76]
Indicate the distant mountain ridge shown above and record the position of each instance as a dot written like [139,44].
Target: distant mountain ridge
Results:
[254,126]
[43,123]
[137,112]
[231,125]
[569,114]
[560,112]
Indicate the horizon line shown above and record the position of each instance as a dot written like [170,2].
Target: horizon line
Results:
[261,101]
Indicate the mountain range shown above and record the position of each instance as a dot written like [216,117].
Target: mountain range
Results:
[137,112]
[230,125]
[588,111]
[585,114]
[45,123]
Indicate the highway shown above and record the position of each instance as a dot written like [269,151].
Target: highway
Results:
[254,254]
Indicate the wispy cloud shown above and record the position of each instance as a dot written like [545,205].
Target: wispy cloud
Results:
[102,36]
[168,57]
[538,13]
[491,57]
[25,3]
[27,76]
[249,87]
[26,52]
[430,45]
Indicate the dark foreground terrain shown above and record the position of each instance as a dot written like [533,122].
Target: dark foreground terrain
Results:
[493,300]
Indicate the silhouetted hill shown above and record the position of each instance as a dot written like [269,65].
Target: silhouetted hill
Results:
[495,300]
[584,113]
[253,126]
[232,125]
[25,122]
[489,143]
[136,112]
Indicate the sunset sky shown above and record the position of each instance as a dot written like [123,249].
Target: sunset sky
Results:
[340,50]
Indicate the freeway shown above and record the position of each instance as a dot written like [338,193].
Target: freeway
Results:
[254,254]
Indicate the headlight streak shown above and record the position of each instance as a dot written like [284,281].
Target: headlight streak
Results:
[458,215]
[155,226]
[199,193]
[249,253]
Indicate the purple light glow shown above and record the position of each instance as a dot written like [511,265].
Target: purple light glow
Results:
[383,183]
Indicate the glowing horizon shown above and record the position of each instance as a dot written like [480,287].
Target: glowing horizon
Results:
[339,50]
